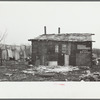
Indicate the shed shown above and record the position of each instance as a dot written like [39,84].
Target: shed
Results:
[66,49]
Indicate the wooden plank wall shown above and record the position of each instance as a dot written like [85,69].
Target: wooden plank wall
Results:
[83,56]
[41,49]
[72,57]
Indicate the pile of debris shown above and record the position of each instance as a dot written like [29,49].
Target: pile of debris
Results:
[51,73]
[95,76]
[23,72]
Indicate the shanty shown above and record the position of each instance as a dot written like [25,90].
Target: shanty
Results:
[62,49]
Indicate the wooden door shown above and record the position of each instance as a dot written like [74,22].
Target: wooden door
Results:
[66,60]
[61,59]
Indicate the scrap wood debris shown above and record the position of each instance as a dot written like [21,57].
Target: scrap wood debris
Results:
[22,72]
[57,68]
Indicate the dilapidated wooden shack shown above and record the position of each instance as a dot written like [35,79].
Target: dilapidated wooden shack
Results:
[73,49]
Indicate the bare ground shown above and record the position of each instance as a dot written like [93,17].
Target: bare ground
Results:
[15,71]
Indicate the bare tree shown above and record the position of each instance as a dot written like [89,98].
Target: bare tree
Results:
[2,38]
[3,35]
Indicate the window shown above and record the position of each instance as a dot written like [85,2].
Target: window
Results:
[56,48]
[51,49]
[63,48]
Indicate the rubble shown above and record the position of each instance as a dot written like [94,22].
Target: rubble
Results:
[46,74]
[20,72]
[18,77]
[8,74]
[29,71]
[57,68]
[91,76]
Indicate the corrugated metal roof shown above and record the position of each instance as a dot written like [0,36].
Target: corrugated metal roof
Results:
[65,37]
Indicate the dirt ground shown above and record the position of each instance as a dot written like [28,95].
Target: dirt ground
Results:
[20,71]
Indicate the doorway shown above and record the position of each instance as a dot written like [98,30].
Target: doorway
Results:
[61,59]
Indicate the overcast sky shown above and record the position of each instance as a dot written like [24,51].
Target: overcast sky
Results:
[25,20]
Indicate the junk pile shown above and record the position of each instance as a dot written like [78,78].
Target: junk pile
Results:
[20,72]
[18,77]
[29,71]
[57,69]
[95,76]
[50,73]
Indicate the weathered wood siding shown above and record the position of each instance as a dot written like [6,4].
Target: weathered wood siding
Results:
[84,54]
[72,57]
[44,51]
[83,60]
